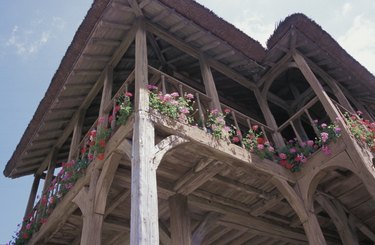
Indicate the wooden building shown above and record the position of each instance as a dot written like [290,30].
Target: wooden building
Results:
[116,167]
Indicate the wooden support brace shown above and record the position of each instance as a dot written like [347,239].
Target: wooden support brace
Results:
[180,220]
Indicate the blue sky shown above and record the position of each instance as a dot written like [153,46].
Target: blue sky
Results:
[34,36]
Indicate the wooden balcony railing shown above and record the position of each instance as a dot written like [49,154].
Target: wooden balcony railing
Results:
[303,111]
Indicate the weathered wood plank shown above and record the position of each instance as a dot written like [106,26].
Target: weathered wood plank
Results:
[144,202]
[180,220]
[208,222]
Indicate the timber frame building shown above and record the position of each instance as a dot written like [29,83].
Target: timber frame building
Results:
[159,180]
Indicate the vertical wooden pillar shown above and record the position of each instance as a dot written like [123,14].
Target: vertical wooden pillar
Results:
[77,133]
[92,221]
[107,93]
[144,228]
[262,101]
[50,171]
[180,220]
[32,196]
[209,84]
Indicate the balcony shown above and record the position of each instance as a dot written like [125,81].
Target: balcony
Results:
[213,137]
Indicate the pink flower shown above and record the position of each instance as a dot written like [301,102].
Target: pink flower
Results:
[282,156]
[184,110]
[292,150]
[28,226]
[215,112]
[174,102]
[151,87]
[315,121]
[227,110]
[310,142]
[260,147]
[226,129]
[90,157]
[128,94]
[167,97]
[337,130]
[324,136]
[323,125]
[101,120]
[255,127]
[116,108]
[174,94]
[359,112]
[189,96]
[52,200]
[271,149]
[326,150]
[236,139]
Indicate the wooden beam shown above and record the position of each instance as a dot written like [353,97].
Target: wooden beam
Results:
[136,8]
[183,46]
[339,218]
[208,222]
[76,138]
[144,201]
[32,196]
[244,220]
[180,220]
[267,79]
[164,234]
[209,84]
[91,95]
[192,180]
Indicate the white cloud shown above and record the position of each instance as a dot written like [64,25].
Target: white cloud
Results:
[359,41]
[346,8]
[255,25]
[30,39]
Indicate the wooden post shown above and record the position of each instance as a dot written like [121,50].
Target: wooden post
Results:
[76,138]
[308,218]
[32,196]
[50,171]
[144,228]
[180,220]
[209,84]
[340,219]
[316,86]
[92,222]
[262,101]
[106,94]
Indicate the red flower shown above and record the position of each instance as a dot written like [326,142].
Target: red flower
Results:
[102,143]
[226,110]
[43,220]
[25,236]
[100,156]
[255,127]
[110,119]
[260,140]
[289,166]
[83,150]
[283,162]
[44,200]
[117,108]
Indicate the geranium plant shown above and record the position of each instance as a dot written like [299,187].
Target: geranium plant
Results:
[256,142]
[173,105]
[363,130]
[122,109]
[216,124]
